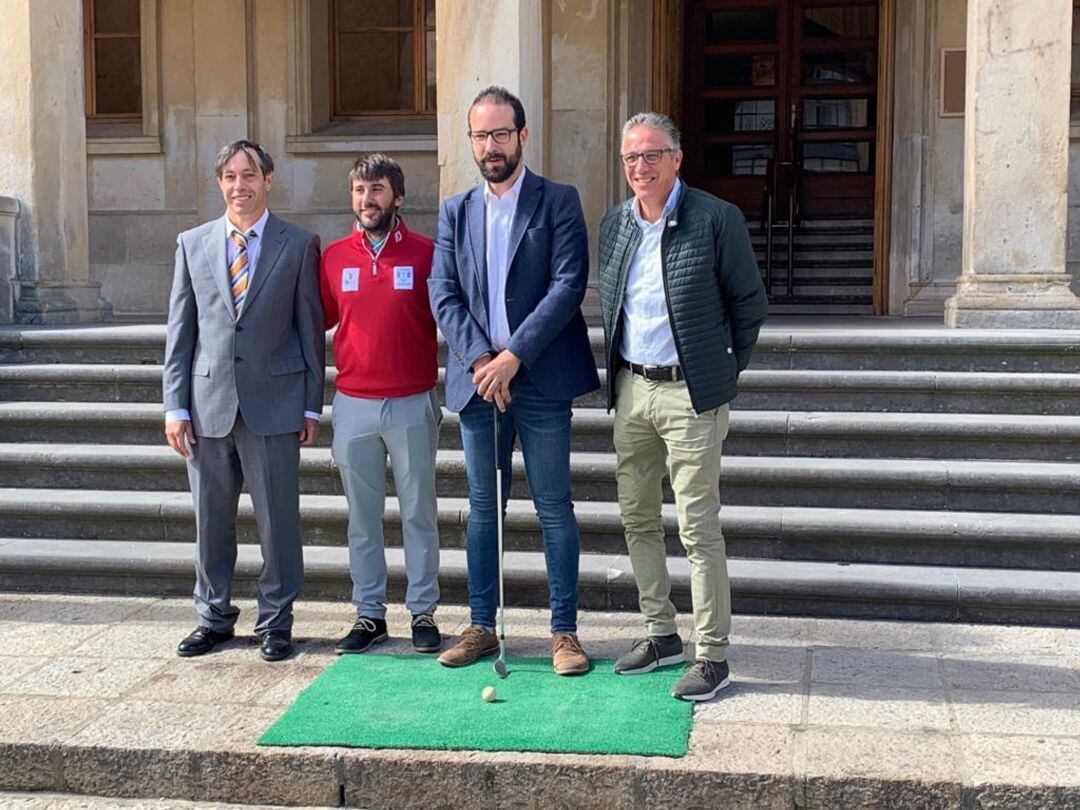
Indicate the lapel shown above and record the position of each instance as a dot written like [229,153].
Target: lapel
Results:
[274,240]
[217,261]
[476,223]
[531,192]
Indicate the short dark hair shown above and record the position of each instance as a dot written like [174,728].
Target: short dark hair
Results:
[500,95]
[231,150]
[378,166]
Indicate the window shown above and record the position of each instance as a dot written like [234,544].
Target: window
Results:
[382,58]
[113,53]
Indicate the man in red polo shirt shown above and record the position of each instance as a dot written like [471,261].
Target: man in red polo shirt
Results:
[374,289]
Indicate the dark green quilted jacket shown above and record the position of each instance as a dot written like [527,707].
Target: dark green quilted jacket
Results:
[716,301]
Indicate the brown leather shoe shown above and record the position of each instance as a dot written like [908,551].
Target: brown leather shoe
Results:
[475,642]
[567,656]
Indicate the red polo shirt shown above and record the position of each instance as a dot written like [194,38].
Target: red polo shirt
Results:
[385,345]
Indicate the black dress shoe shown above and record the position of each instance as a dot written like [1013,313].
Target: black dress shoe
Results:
[276,644]
[202,640]
[365,632]
[425,633]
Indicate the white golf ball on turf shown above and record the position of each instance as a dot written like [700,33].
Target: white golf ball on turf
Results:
[488,694]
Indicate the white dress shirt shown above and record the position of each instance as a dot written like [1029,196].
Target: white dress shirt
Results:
[647,338]
[500,218]
[254,246]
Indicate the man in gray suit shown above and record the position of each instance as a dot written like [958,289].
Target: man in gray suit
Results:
[243,389]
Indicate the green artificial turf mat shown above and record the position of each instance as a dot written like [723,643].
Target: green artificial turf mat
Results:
[410,701]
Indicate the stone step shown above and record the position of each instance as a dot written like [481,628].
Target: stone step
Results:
[910,537]
[776,433]
[760,389]
[838,238]
[850,289]
[806,723]
[949,485]
[797,307]
[771,587]
[818,267]
[793,343]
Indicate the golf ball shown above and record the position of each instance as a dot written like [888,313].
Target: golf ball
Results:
[488,694]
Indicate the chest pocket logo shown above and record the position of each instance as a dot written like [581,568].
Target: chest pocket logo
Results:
[403,278]
[350,279]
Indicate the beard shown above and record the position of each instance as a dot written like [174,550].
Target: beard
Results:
[376,221]
[498,172]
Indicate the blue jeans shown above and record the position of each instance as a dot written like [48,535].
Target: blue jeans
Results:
[543,426]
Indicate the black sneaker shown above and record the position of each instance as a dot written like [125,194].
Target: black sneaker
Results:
[364,633]
[650,653]
[425,633]
[702,681]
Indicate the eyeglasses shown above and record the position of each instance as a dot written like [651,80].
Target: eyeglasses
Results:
[500,136]
[651,157]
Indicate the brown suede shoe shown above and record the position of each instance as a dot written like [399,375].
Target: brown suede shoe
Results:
[567,656]
[475,642]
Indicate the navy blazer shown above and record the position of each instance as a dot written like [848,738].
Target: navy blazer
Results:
[546,279]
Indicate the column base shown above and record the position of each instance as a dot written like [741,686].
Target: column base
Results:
[58,302]
[1014,302]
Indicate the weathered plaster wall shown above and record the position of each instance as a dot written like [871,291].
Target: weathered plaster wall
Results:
[228,70]
[1072,256]
[947,222]
[928,160]
[580,152]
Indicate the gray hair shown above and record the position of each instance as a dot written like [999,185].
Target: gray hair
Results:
[657,121]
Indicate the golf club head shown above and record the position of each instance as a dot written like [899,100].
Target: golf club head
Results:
[500,667]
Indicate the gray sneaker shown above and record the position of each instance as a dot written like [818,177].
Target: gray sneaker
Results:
[702,681]
[650,653]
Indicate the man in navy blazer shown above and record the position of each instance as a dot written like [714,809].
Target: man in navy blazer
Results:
[510,271]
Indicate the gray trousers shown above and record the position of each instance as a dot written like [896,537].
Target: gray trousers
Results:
[406,429]
[269,466]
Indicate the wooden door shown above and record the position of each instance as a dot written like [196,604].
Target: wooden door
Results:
[780,100]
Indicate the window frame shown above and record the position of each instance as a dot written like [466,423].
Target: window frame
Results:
[90,38]
[420,30]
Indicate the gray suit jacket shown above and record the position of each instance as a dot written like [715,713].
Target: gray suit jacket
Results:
[270,363]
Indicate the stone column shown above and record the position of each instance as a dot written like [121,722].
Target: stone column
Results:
[1016,148]
[484,42]
[43,159]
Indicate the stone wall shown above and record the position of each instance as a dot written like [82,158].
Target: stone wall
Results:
[928,162]
[1072,255]
[229,69]
[581,147]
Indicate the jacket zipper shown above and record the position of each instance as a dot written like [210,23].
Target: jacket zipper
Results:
[671,316]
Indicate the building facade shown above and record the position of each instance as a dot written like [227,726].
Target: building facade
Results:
[893,157]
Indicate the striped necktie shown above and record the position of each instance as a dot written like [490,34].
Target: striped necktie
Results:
[238,270]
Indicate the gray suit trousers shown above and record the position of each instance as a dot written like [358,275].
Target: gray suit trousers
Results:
[406,429]
[217,469]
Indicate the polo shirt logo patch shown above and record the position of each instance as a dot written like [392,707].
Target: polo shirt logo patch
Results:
[403,278]
[350,279]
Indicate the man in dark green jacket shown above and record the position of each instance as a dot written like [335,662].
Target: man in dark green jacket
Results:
[682,303]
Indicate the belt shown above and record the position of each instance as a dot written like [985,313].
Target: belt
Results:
[656,373]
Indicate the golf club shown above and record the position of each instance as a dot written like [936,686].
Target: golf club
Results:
[500,662]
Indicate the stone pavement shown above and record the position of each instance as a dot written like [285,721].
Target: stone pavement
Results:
[61,801]
[823,713]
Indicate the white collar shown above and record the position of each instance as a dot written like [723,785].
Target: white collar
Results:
[669,206]
[257,228]
[511,195]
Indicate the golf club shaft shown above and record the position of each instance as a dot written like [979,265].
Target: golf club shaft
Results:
[499,526]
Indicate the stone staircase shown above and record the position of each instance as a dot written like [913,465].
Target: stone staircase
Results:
[832,266]
[874,468]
